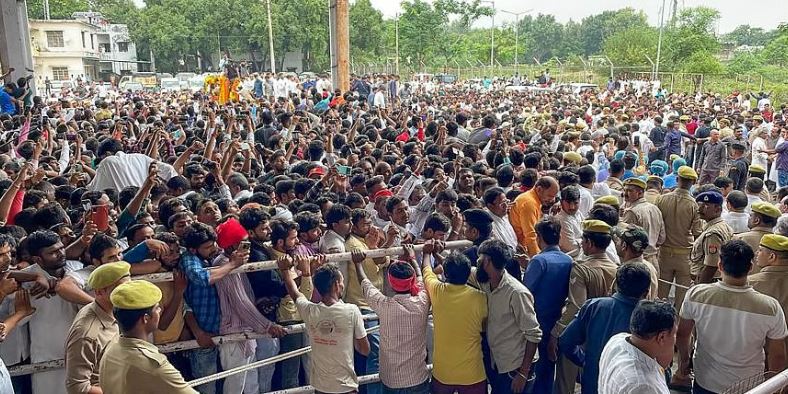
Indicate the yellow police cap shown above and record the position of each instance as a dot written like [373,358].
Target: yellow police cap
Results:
[136,294]
[596,226]
[656,178]
[609,200]
[757,117]
[757,169]
[635,181]
[107,274]
[625,117]
[687,172]
[776,242]
[674,157]
[684,117]
[764,208]
[573,157]
[580,126]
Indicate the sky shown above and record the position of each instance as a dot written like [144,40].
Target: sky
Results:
[766,14]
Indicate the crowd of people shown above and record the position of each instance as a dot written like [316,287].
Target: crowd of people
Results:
[603,229]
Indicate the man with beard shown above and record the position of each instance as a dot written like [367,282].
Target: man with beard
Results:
[704,257]
[399,231]
[267,286]
[364,237]
[284,238]
[201,296]
[477,228]
[50,324]
[569,217]
[513,332]
[465,181]
[527,211]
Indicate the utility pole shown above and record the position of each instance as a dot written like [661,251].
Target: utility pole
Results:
[492,32]
[396,42]
[339,29]
[271,38]
[46,9]
[659,40]
[516,34]
[675,11]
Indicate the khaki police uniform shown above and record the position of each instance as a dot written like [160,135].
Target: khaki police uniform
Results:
[772,281]
[646,215]
[753,238]
[91,332]
[134,366]
[651,195]
[591,278]
[706,249]
[615,184]
[682,221]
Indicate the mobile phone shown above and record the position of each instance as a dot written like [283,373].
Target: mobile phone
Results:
[71,137]
[100,216]
[343,170]
[77,167]
[244,246]
[86,204]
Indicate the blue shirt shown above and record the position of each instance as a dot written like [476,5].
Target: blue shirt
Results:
[200,294]
[6,105]
[669,181]
[547,277]
[596,322]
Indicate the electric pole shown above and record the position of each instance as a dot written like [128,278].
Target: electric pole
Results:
[271,38]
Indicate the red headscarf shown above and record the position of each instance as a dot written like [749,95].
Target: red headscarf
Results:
[403,285]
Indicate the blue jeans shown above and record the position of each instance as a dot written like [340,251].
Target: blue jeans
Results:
[696,389]
[782,178]
[203,363]
[503,384]
[266,348]
[291,368]
[423,388]
[372,360]
[544,368]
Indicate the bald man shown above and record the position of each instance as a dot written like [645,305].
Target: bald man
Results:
[527,211]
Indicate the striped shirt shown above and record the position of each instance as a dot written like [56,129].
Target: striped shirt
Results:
[403,343]
[726,356]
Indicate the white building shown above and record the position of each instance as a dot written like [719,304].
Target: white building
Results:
[87,46]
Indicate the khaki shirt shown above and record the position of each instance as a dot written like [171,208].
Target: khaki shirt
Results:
[615,183]
[706,249]
[134,366]
[753,238]
[646,215]
[680,216]
[91,332]
[591,277]
[772,281]
[651,195]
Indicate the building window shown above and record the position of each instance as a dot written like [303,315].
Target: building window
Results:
[123,47]
[92,41]
[83,39]
[60,73]
[105,48]
[55,39]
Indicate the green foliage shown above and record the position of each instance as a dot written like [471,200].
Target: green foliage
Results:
[776,52]
[631,46]
[58,9]
[747,35]
[597,28]
[702,63]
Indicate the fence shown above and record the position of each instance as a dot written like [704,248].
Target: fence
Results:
[220,339]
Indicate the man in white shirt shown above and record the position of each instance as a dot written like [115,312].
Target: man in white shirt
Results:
[498,206]
[335,328]
[117,169]
[735,215]
[752,321]
[634,363]
[50,325]
[571,222]
[380,97]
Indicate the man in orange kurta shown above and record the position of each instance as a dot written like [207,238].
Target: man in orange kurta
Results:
[527,211]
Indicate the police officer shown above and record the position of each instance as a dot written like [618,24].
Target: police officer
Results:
[132,364]
[680,215]
[762,220]
[591,277]
[738,166]
[93,329]
[759,172]
[705,253]
[772,258]
[646,215]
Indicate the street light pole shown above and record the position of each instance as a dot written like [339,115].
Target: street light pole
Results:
[516,35]
[659,41]
[492,33]
[271,39]
[396,42]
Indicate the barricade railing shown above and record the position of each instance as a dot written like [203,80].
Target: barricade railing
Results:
[362,380]
[27,369]
[775,384]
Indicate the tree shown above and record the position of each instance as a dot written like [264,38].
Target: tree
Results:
[691,32]
[367,29]
[747,35]
[58,9]
[745,63]
[597,28]
[631,46]
[776,52]
[541,36]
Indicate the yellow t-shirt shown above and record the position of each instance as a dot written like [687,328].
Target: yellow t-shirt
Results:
[459,313]
[353,294]
[173,332]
